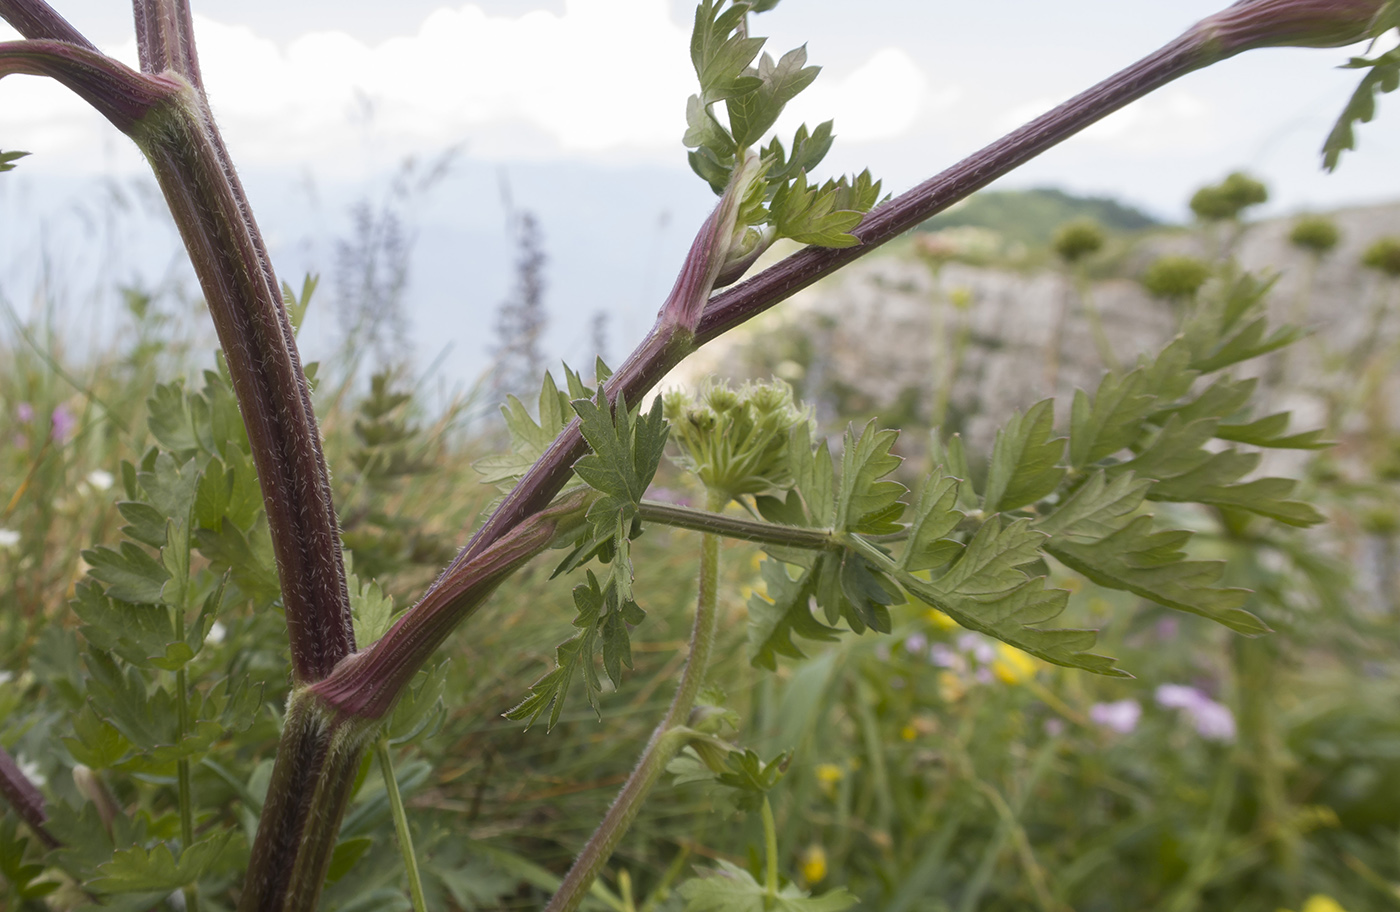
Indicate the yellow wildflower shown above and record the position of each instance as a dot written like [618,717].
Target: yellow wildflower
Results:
[950,687]
[1012,666]
[814,864]
[1320,903]
[939,620]
[909,733]
[828,774]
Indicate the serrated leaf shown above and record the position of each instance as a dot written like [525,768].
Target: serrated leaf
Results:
[730,888]
[988,590]
[1097,509]
[1271,431]
[371,610]
[529,438]
[246,558]
[866,594]
[1383,76]
[170,487]
[935,516]
[813,477]
[808,150]
[989,563]
[780,613]
[1154,565]
[135,632]
[1264,496]
[131,574]
[573,655]
[97,743]
[1025,460]
[20,876]
[147,524]
[170,418]
[718,54]
[868,504]
[141,870]
[617,642]
[752,113]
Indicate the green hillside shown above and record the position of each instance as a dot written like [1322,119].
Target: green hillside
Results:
[1031,216]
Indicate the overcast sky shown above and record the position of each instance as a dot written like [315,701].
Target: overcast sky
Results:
[341,91]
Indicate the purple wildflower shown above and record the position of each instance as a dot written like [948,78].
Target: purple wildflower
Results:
[1121,715]
[943,656]
[1212,721]
[24,412]
[915,643]
[1179,696]
[63,424]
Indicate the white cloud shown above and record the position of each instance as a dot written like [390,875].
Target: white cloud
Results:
[881,99]
[1168,119]
[604,78]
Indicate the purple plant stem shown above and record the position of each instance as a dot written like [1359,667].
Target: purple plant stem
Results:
[165,39]
[355,690]
[36,19]
[27,800]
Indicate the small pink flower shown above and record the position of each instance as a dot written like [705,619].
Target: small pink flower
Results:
[24,412]
[1121,715]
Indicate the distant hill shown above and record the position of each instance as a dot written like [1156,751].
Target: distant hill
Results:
[1031,216]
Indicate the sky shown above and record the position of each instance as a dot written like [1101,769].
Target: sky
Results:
[577,106]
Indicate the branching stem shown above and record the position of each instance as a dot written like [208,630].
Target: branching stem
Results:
[666,740]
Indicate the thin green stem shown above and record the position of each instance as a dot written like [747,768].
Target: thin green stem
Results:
[734,527]
[182,766]
[410,862]
[666,740]
[770,847]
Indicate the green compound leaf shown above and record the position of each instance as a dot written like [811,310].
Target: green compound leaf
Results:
[571,656]
[815,215]
[1154,566]
[730,888]
[719,55]
[752,113]
[1025,460]
[1383,76]
[529,438]
[987,590]
[140,870]
[808,150]
[1113,419]
[784,611]
[1095,533]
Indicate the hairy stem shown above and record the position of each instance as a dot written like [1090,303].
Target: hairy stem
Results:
[669,736]
[25,798]
[410,862]
[463,587]
[733,527]
[312,778]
